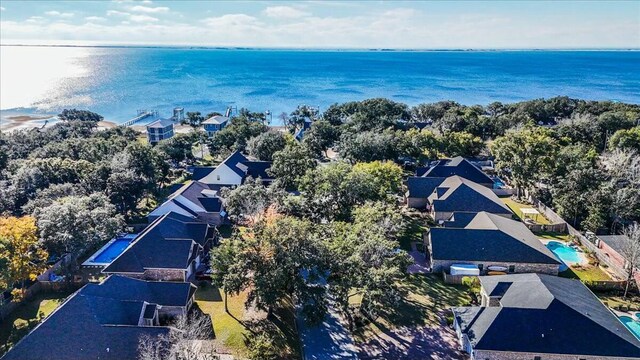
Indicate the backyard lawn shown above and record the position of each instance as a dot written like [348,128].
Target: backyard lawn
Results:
[27,316]
[231,329]
[553,236]
[516,206]
[587,273]
[427,300]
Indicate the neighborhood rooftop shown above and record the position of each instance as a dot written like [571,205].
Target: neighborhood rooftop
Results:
[489,237]
[102,321]
[544,314]
[458,194]
[456,166]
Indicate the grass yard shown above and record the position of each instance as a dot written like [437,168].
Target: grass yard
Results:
[27,316]
[553,236]
[615,301]
[412,233]
[588,273]
[232,329]
[427,298]
[515,207]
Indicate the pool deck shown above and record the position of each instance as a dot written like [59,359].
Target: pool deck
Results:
[90,262]
[583,257]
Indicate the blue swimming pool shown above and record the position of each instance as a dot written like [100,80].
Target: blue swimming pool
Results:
[565,253]
[632,325]
[112,251]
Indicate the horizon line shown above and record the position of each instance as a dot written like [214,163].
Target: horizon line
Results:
[285,48]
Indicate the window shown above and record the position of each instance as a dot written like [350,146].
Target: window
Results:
[512,268]
[537,358]
[218,177]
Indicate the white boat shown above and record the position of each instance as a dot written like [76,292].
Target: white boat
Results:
[497,268]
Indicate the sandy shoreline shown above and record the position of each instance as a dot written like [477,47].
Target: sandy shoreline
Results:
[16,122]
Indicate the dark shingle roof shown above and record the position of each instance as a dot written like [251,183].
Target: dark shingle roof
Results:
[457,166]
[420,187]
[489,237]
[459,219]
[201,195]
[233,160]
[100,321]
[548,315]
[258,169]
[459,194]
[167,243]
[201,171]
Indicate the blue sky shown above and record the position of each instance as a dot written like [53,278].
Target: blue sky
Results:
[334,24]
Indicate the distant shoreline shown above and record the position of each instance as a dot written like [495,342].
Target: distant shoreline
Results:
[252,48]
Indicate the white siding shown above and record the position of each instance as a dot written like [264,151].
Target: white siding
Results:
[222,175]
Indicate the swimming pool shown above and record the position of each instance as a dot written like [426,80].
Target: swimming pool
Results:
[565,253]
[110,251]
[632,325]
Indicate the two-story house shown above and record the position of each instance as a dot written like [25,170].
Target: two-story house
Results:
[159,130]
[214,124]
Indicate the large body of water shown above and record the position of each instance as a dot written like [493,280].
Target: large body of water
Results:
[115,82]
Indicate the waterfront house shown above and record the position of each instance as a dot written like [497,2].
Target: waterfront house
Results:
[491,243]
[214,124]
[302,130]
[459,194]
[159,130]
[194,199]
[106,320]
[612,247]
[541,317]
[171,248]
[235,169]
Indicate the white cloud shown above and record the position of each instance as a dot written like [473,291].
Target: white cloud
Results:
[232,20]
[149,9]
[95,18]
[147,2]
[132,17]
[284,12]
[59,14]
[2,8]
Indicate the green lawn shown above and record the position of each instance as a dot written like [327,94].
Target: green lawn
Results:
[516,206]
[232,329]
[553,236]
[588,273]
[427,299]
[412,233]
[27,316]
[614,301]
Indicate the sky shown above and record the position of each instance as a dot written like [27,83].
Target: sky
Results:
[325,24]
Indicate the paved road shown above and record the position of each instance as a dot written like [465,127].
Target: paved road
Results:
[330,340]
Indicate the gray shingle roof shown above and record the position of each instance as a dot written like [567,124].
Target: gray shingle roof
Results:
[548,315]
[167,243]
[421,187]
[216,120]
[489,237]
[457,166]
[100,321]
[160,123]
[458,194]
[616,242]
[201,171]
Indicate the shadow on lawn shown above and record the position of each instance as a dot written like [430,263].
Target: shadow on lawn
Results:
[209,293]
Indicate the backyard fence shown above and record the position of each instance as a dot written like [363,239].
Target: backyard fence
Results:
[559,227]
[453,279]
[604,285]
[37,288]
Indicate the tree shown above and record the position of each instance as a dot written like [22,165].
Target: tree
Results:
[626,139]
[20,252]
[79,115]
[193,119]
[572,194]
[631,253]
[387,176]
[75,223]
[301,114]
[525,155]
[368,146]
[320,137]
[461,144]
[228,267]
[248,201]
[290,164]
[183,341]
[235,135]
[266,144]
[179,147]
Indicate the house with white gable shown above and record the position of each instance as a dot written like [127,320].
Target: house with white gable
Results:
[235,169]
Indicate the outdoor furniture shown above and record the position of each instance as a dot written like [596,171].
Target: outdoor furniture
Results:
[530,212]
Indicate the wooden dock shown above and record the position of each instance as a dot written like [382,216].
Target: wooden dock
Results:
[142,114]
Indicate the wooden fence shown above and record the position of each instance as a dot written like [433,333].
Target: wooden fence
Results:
[453,279]
[37,288]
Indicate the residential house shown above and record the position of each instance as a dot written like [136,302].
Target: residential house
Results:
[235,169]
[541,317]
[490,242]
[428,178]
[171,248]
[459,194]
[159,130]
[214,124]
[194,199]
[106,320]
[456,166]
[612,247]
